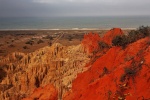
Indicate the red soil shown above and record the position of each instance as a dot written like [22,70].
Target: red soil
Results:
[90,42]
[44,93]
[103,80]
[117,74]
[111,34]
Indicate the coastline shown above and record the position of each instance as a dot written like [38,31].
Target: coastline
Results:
[19,40]
[69,29]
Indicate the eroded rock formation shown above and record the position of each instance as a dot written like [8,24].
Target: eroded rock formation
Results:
[94,70]
[47,92]
[57,65]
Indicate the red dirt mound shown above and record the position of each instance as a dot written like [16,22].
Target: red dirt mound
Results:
[119,74]
[44,93]
[111,34]
[90,42]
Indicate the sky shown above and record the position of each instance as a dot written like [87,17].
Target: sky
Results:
[60,8]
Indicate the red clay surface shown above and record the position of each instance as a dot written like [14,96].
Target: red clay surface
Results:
[117,75]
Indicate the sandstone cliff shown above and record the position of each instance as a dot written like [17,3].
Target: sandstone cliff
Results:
[57,65]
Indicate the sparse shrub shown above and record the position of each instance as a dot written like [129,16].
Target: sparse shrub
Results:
[7,42]
[103,45]
[4,87]
[12,40]
[51,38]
[50,43]
[16,39]
[40,41]
[123,77]
[33,38]
[105,71]
[2,74]
[78,36]
[128,72]
[19,57]
[25,47]
[1,45]
[37,82]
[148,42]
[133,36]
[48,37]
[70,38]
[120,40]
[30,42]
[144,30]
[2,51]
[91,81]
[109,94]
[11,45]
[141,32]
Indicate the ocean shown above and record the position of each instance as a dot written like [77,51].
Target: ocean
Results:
[73,22]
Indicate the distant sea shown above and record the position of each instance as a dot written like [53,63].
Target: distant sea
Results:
[73,22]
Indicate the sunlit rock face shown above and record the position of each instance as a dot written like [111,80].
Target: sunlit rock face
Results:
[108,37]
[118,74]
[47,92]
[57,65]
[93,70]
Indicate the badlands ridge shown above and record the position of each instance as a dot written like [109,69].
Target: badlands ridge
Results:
[93,70]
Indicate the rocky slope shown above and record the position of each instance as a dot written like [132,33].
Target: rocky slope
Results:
[94,70]
[57,65]
[47,92]
[107,38]
[118,74]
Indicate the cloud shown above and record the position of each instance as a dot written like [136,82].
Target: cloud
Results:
[77,1]
[93,1]
[46,8]
[60,1]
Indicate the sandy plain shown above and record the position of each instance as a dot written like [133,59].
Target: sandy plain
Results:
[30,40]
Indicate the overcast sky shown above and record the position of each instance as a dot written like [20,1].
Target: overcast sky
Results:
[48,8]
